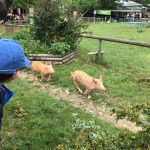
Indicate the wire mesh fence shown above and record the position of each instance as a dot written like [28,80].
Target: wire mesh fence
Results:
[134,59]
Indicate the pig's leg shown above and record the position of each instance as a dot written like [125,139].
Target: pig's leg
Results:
[87,91]
[77,87]
[42,78]
[34,78]
[49,77]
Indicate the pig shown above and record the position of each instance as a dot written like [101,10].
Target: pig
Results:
[43,69]
[81,78]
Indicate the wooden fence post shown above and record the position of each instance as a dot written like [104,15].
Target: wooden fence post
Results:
[98,56]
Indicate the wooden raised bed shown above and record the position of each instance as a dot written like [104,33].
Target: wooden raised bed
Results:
[55,59]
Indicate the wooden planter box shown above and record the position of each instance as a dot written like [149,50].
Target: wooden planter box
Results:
[55,59]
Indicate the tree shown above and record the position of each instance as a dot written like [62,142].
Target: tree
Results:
[107,4]
[144,2]
[8,3]
[81,5]
[85,5]
[23,3]
[20,3]
[54,23]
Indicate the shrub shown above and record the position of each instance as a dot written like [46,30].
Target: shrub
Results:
[30,45]
[34,47]
[54,31]
[23,34]
[54,23]
[90,136]
[59,48]
[138,114]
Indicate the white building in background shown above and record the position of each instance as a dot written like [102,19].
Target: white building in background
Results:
[130,5]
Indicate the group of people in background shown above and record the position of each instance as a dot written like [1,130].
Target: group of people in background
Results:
[132,17]
[135,17]
[16,14]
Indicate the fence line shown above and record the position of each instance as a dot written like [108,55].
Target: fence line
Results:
[143,44]
[99,53]
[94,19]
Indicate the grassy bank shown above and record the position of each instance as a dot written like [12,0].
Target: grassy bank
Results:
[45,121]
[122,67]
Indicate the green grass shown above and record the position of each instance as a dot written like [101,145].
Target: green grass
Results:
[2,30]
[122,66]
[120,30]
[46,122]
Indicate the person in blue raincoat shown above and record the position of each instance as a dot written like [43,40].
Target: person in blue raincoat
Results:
[12,59]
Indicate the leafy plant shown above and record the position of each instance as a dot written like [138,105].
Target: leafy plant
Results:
[54,23]
[54,31]
[30,45]
[34,47]
[23,34]
[90,136]
[59,48]
[19,3]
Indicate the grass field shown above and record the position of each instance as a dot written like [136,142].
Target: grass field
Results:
[121,30]
[122,67]
[47,121]
[2,30]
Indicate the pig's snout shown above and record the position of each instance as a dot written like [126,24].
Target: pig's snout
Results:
[102,89]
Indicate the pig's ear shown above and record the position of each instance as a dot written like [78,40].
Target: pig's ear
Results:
[94,81]
[101,77]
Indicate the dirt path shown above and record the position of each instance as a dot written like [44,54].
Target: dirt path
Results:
[84,103]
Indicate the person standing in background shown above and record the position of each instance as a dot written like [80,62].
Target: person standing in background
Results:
[3,10]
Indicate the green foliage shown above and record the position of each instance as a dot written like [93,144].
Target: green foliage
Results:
[23,34]
[138,114]
[59,48]
[54,23]
[107,4]
[90,136]
[46,21]
[34,47]
[30,45]
[145,2]
[81,5]
[45,121]
[20,3]
[120,76]
[135,114]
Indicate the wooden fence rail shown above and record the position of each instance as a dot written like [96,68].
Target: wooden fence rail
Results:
[99,53]
[94,19]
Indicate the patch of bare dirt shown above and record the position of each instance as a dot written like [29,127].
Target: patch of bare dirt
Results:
[84,103]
